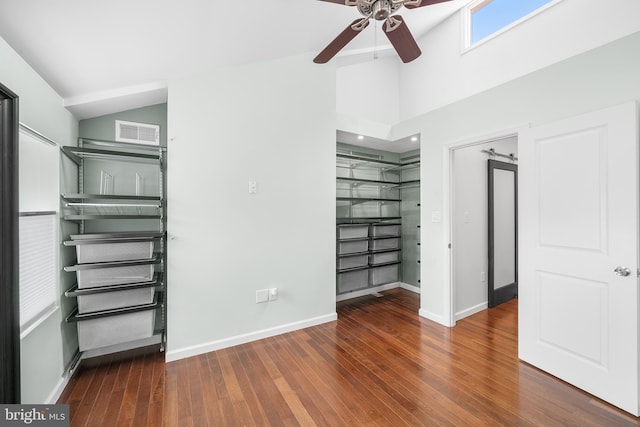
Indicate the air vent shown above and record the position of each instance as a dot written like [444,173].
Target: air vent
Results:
[138,133]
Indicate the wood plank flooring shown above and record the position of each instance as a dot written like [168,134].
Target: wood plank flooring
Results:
[380,364]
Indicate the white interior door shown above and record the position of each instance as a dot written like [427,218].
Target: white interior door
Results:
[578,187]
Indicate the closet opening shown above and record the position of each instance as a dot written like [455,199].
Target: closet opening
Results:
[377,215]
[9,293]
[483,224]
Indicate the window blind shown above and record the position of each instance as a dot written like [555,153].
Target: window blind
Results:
[38,267]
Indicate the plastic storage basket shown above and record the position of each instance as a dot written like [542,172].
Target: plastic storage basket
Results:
[384,275]
[353,280]
[380,244]
[121,251]
[115,299]
[104,331]
[355,231]
[105,276]
[353,261]
[351,247]
[385,257]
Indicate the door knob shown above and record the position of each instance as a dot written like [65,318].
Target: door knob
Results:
[622,271]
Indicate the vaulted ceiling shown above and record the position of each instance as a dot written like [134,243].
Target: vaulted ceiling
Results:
[112,55]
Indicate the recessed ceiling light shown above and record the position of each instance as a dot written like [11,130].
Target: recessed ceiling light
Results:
[360,137]
[414,138]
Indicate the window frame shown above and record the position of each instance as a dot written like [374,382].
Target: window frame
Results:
[478,4]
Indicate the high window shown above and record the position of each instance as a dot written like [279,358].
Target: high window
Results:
[487,17]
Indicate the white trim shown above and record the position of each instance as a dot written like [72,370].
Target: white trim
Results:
[414,289]
[467,45]
[195,350]
[58,389]
[434,317]
[367,291]
[447,190]
[471,310]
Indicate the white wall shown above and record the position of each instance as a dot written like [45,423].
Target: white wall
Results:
[469,221]
[596,79]
[48,349]
[273,123]
[446,73]
[371,91]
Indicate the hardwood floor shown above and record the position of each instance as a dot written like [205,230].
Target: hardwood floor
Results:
[380,364]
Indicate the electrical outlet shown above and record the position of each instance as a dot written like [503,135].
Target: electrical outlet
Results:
[483,276]
[262,295]
[273,294]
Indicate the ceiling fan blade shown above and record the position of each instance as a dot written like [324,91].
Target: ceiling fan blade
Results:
[338,2]
[400,37]
[341,41]
[412,4]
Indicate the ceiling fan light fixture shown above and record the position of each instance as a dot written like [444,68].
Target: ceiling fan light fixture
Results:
[381,10]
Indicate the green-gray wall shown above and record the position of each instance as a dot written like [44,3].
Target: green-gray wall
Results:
[103,127]
[272,123]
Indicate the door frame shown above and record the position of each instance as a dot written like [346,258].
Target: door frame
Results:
[9,249]
[448,149]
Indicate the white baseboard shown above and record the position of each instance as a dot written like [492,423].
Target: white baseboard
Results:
[195,350]
[58,389]
[367,291]
[435,317]
[471,310]
[409,287]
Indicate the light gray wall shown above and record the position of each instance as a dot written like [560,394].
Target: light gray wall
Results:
[273,123]
[48,349]
[469,221]
[602,77]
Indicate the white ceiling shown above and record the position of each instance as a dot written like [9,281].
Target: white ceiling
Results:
[108,56]
[403,145]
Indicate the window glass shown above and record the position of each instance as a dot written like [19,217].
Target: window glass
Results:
[489,16]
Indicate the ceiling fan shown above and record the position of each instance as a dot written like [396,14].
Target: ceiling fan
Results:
[394,26]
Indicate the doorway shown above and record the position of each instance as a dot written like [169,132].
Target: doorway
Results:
[9,295]
[470,269]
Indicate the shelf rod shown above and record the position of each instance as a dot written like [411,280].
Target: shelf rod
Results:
[113,205]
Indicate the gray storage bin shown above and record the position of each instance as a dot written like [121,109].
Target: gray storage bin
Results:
[94,277]
[380,244]
[385,257]
[116,299]
[104,331]
[385,230]
[353,247]
[353,231]
[353,261]
[384,275]
[352,280]
[106,252]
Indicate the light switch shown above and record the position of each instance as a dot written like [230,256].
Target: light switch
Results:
[436,216]
[262,295]
[253,187]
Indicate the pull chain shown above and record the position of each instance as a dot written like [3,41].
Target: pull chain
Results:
[375,39]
